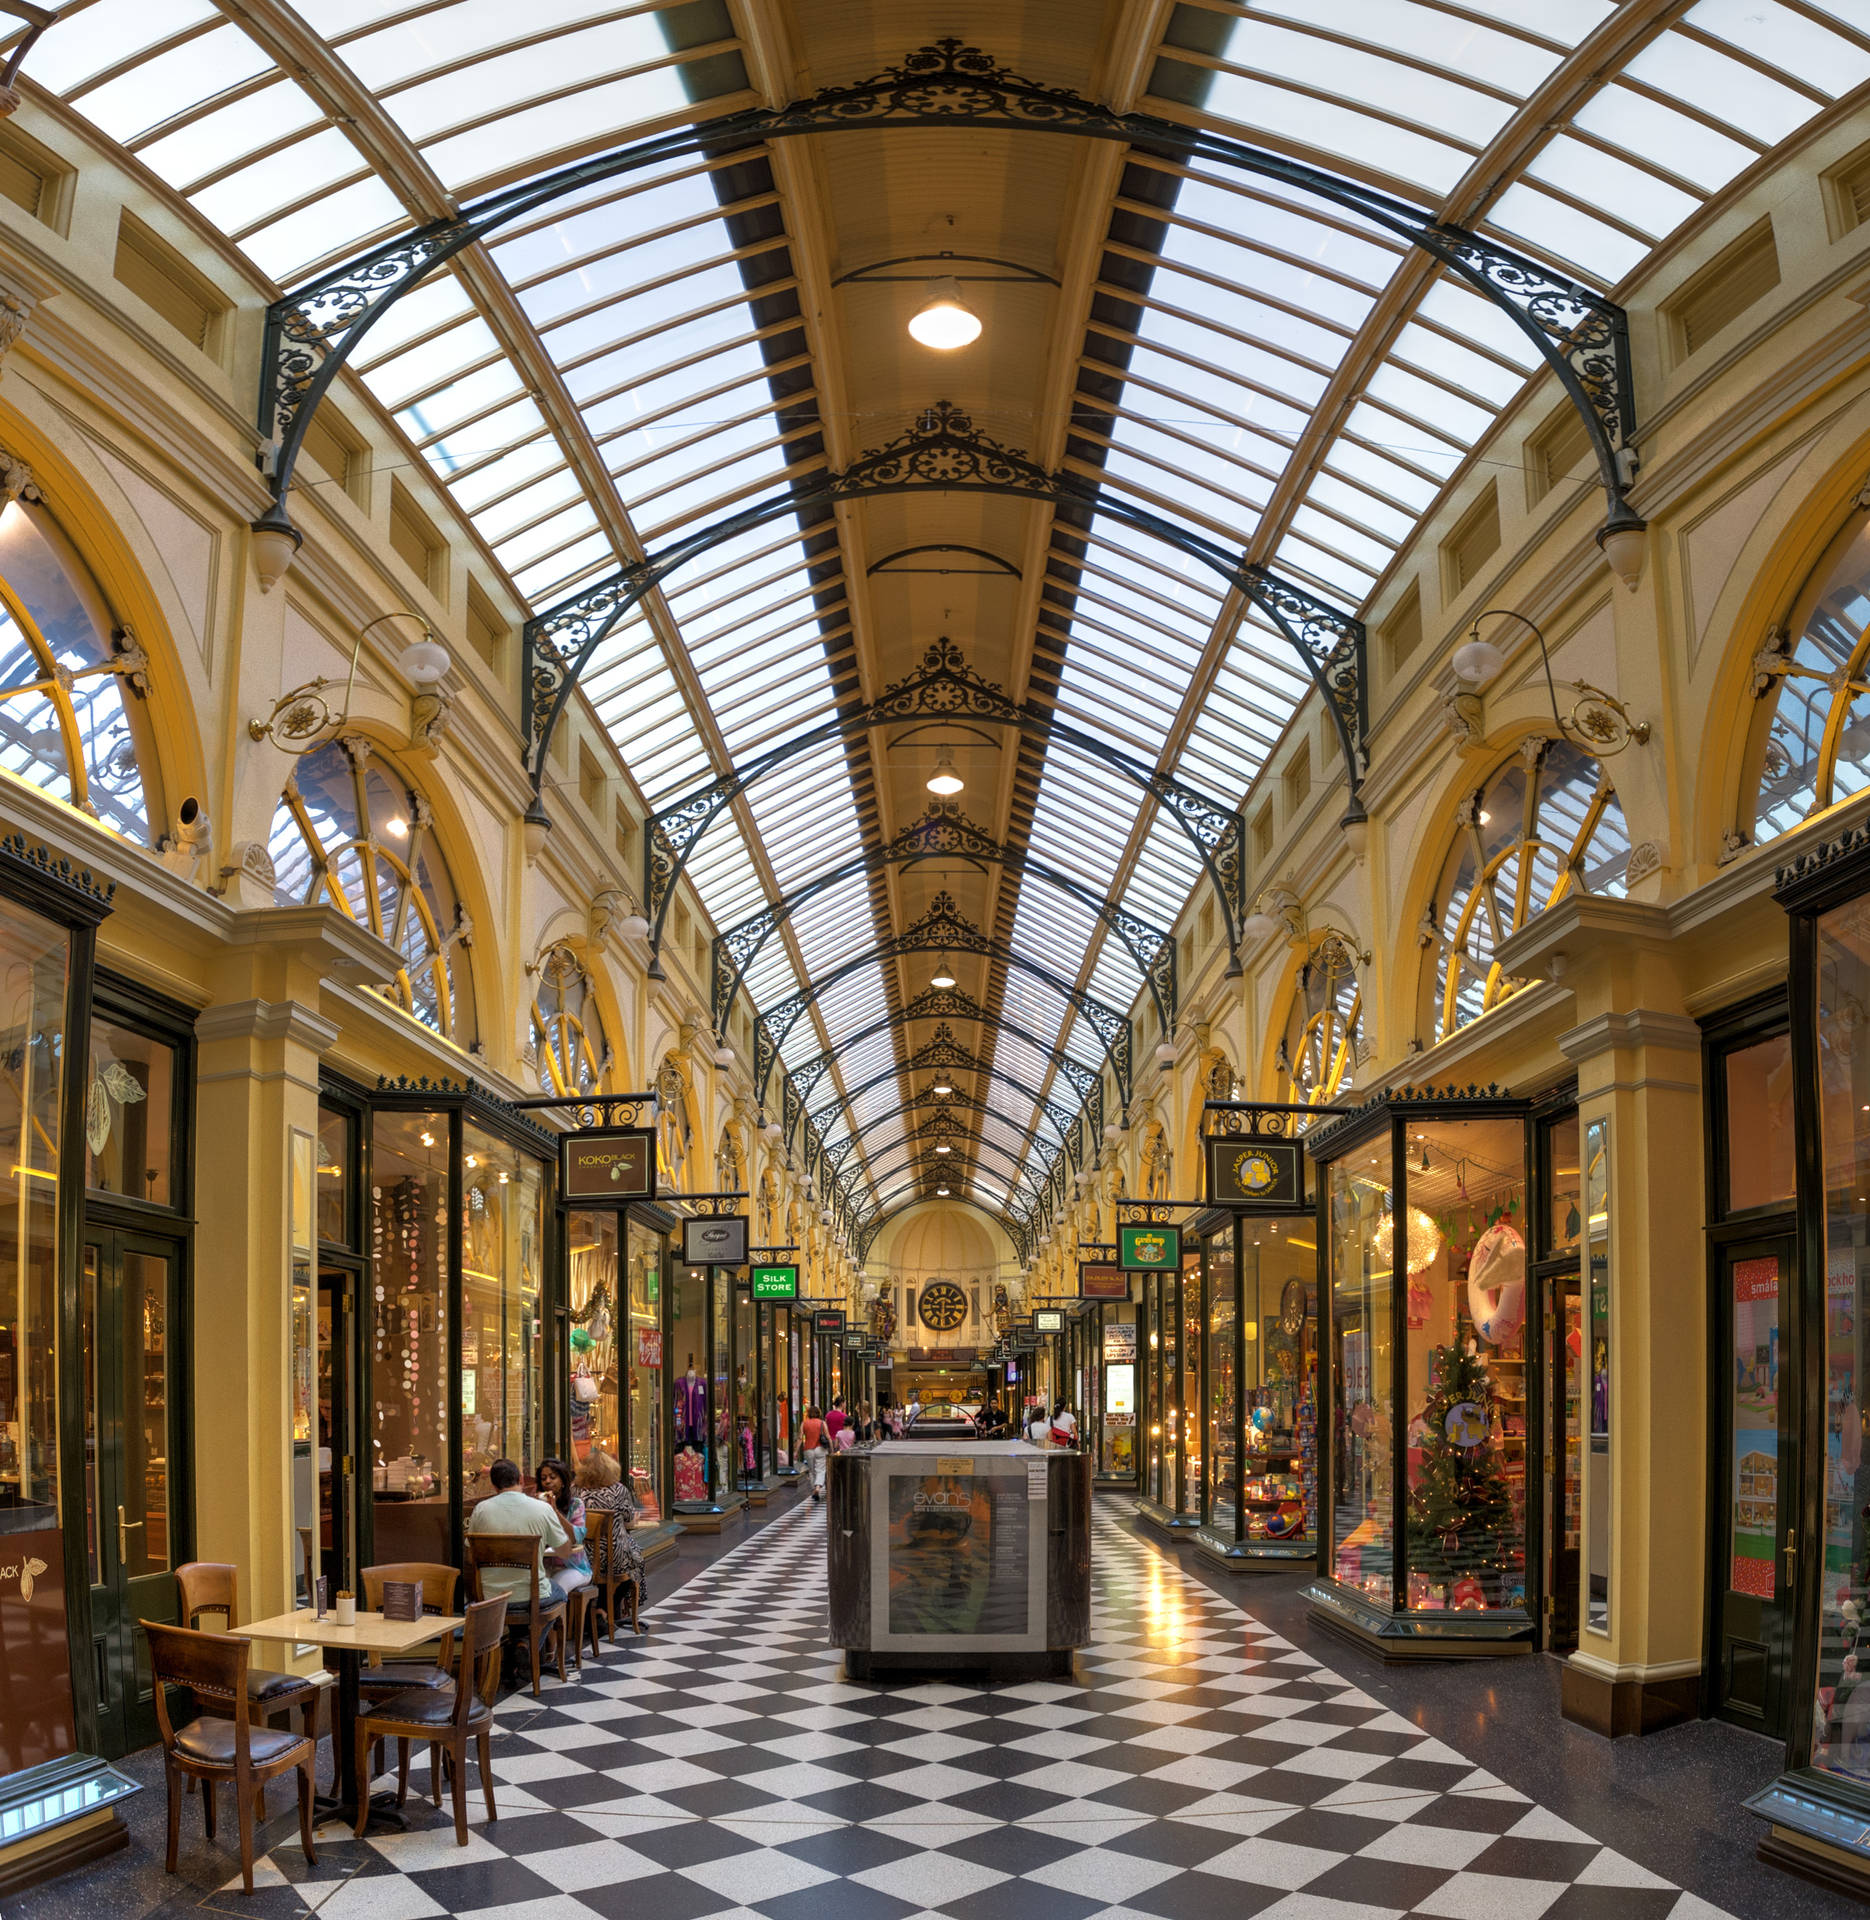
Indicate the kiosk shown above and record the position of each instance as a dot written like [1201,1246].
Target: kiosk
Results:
[960,1556]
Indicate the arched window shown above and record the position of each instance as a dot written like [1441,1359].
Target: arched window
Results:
[1323,1040]
[1811,742]
[1548,821]
[567,1028]
[348,829]
[66,725]
[674,1132]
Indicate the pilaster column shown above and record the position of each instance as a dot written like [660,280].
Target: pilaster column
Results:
[257,1081]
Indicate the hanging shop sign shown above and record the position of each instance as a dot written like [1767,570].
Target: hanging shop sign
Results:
[1256,1175]
[1119,1339]
[615,1164]
[776,1283]
[828,1320]
[1048,1320]
[1149,1249]
[1098,1280]
[715,1240]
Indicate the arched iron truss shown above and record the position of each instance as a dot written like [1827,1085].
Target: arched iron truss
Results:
[943,929]
[943,452]
[313,330]
[943,1053]
[942,1004]
[942,1126]
[946,832]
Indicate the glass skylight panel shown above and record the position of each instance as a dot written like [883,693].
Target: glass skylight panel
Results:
[1167,869]
[163,84]
[1638,123]
[210,144]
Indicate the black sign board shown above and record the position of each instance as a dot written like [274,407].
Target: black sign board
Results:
[607,1165]
[715,1240]
[828,1320]
[1048,1320]
[1251,1173]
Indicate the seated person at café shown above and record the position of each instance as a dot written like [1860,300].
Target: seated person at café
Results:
[512,1510]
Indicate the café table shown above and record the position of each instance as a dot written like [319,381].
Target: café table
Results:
[369,1633]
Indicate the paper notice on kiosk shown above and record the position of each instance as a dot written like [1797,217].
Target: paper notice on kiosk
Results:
[1036,1471]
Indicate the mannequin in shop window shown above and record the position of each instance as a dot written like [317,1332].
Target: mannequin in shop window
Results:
[691,1435]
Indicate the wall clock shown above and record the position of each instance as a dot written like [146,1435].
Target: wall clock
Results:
[942,1305]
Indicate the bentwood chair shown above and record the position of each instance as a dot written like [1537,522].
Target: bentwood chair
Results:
[223,1743]
[446,1718]
[539,1619]
[211,1587]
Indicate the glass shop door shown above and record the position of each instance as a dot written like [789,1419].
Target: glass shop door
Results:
[1564,1460]
[1757,1547]
[129,1287]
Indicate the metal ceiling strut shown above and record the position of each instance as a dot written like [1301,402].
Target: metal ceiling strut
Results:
[943,929]
[945,832]
[312,331]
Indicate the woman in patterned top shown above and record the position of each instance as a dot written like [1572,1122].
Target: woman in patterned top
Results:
[600,1480]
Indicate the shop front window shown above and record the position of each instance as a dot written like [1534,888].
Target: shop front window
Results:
[1192,1341]
[1841,1710]
[1466,1382]
[643,1357]
[1118,1456]
[1360,1202]
[1279,1279]
[33,974]
[691,1397]
[334,1177]
[72,718]
[595,1332]
[129,1114]
[350,831]
[1223,1383]
[1760,1171]
[502,1335]
[1547,822]
[745,1403]
[411,1392]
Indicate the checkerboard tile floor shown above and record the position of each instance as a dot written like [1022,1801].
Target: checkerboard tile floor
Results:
[1202,1767]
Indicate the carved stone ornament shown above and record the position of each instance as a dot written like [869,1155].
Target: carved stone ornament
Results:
[16,479]
[15,307]
[1460,718]
[249,878]
[1645,859]
[1772,660]
[1734,842]
[429,713]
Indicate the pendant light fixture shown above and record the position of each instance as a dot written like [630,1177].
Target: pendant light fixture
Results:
[945,321]
[943,977]
[944,780]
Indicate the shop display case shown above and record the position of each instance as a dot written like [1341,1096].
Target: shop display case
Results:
[1428,1503]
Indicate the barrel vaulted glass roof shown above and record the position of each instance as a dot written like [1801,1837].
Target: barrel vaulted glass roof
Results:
[1253,362]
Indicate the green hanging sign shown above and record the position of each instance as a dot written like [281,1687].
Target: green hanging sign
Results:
[776,1283]
[1149,1249]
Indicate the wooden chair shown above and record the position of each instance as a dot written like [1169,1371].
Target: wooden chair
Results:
[541,1619]
[444,1717]
[222,1743]
[441,1587]
[608,1579]
[210,1586]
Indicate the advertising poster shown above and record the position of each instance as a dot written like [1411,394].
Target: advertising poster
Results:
[958,1554]
[1120,1340]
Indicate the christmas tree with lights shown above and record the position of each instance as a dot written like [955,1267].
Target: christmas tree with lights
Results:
[1461,1506]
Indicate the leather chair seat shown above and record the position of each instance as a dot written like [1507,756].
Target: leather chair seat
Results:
[212,1742]
[402,1676]
[426,1707]
[264,1684]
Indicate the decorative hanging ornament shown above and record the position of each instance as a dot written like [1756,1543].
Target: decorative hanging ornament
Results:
[1424,1239]
[1466,1424]
[581,1341]
[1496,1285]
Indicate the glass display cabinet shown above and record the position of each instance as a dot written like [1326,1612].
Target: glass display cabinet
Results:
[1427,1325]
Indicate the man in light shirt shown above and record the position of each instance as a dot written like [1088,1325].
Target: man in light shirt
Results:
[514,1511]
